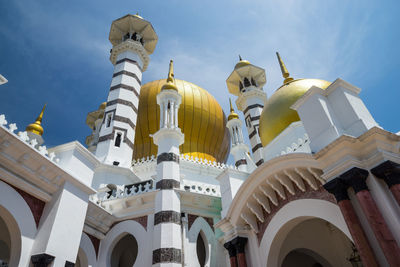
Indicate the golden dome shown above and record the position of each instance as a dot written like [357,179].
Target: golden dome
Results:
[242,63]
[277,114]
[36,127]
[201,119]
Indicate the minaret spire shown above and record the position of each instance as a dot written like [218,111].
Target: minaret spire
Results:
[36,127]
[230,103]
[170,85]
[284,70]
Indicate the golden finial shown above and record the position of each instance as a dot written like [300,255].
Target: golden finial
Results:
[284,70]
[240,58]
[170,85]
[232,115]
[36,127]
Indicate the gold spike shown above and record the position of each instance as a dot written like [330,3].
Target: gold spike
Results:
[170,80]
[233,114]
[284,70]
[36,127]
[240,58]
[40,117]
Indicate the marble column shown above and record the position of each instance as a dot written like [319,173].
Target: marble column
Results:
[239,243]
[356,178]
[339,189]
[389,171]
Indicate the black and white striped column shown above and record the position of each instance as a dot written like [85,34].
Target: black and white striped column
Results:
[167,234]
[252,113]
[117,132]
[167,241]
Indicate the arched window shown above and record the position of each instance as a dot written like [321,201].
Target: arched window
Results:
[246,82]
[201,250]
[253,82]
[5,244]
[125,252]
[118,140]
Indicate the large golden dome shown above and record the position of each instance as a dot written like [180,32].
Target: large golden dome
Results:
[201,119]
[277,114]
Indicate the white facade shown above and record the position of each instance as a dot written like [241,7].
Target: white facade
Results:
[73,206]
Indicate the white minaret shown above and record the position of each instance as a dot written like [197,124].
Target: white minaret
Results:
[246,82]
[167,240]
[133,40]
[239,149]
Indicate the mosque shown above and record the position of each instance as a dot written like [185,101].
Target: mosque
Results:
[319,184]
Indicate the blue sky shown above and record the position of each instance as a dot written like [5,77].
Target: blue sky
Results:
[56,52]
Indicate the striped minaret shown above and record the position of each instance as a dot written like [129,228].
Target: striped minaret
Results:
[167,235]
[239,149]
[246,82]
[133,40]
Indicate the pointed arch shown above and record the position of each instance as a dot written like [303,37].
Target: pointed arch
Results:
[22,227]
[201,227]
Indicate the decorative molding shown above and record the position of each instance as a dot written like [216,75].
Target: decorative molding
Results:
[388,171]
[167,184]
[162,255]
[251,107]
[167,157]
[130,61]
[240,162]
[356,178]
[126,87]
[256,147]
[261,161]
[122,102]
[41,260]
[128,73]
[167,216]
[338,188]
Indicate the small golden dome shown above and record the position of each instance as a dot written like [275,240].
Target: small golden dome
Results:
[103,105]
[200,118]
[138,16]
[277,114]
[36,127]
[241,63]
[233,114]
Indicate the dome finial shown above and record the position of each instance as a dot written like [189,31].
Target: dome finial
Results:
[170,80]
[36,127]
[284,70]
[233,114]
[240,58]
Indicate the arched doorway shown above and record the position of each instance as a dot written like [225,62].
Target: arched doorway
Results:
[5,243]
[315,242]
[125,252]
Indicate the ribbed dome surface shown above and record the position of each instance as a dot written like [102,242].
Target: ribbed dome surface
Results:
[277,114]
[201,119]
